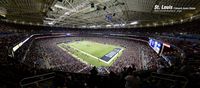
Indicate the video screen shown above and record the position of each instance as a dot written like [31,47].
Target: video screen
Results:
[157,46]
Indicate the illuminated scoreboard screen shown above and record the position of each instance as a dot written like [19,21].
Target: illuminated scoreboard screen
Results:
[157,46]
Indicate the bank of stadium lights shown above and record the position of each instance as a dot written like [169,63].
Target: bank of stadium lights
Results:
[3,15]
[50,23]
[22,22]
[15,21]
[119,25]
[172,22]
[164,23]
[116,25]
[98,26]
[123,24]
[61,7]
[181,20]
[155,24]
[93,26]
[134,23]
[191,17]
[82,5]
[66,13]
[38,24]
[83,26]
[148,25]
[108,25]
[30,23]
[49,19]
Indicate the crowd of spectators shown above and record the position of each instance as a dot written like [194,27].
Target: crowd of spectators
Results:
[129,77]
[191,49]
[44,53]
[125,72]
[8,39]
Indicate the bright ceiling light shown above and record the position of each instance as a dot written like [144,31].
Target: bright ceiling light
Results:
[92,26]
[15,21]
[108,25]
[50,23]
[3,15]
[123,24]
[23,22]
[115,25]
[59,6]
[181,20]
[49,19]
[66,13]
[155,24]
[83,26]
[98,26]
[133,23]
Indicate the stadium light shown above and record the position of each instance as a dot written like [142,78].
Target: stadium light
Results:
[50,23]
[83,26]
[66,13]
[22,22]
[49,19]
[163,23]
[133,23]
[115,25]
[123,24]
[155,24]
[98,26]
[93,26]
[15,21]
[181,20]
[108,25]
[61,7]
[191,17]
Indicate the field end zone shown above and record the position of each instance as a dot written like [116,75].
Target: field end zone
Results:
[83,51]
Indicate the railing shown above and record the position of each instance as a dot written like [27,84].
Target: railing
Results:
[36,79]
[173,78]
[193,62]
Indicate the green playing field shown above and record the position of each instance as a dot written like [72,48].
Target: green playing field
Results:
[90,52]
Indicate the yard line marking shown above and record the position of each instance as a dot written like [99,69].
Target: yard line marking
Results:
[73,55]
[97,57]
[89,54]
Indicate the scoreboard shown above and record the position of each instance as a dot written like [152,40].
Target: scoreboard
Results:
[156,45]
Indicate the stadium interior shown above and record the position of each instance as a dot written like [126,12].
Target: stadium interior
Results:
[99,43]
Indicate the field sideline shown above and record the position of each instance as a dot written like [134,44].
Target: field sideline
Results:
[90,52]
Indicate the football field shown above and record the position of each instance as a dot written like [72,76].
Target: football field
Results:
[92,53]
